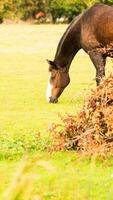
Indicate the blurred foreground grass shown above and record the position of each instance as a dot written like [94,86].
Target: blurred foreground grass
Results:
[60,176]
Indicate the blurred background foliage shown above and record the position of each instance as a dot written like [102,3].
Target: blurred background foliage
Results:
[27,9]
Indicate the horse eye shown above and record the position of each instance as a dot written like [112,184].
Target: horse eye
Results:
[52,76]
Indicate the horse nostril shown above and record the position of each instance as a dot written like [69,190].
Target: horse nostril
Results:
[53,100]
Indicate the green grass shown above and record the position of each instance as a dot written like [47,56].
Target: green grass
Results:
[24,113]
[57,177]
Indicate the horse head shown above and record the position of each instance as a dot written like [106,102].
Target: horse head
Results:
[58,80]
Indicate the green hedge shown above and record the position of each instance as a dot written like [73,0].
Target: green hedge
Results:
[25,9]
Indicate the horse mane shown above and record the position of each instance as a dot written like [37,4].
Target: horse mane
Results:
[73,23]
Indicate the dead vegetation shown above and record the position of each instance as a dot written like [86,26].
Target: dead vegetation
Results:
[91,130]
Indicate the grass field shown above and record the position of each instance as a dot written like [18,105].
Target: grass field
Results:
[24,113]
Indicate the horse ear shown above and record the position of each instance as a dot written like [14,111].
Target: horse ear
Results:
[52,64]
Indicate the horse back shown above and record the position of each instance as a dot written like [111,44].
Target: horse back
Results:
[97,26]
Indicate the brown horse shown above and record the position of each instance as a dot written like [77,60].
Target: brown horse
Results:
[92,31]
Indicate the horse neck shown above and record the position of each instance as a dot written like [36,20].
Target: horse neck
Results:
[68,45]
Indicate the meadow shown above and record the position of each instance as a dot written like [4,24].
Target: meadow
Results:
[25,119]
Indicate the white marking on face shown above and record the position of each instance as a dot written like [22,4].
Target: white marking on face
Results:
[49,90]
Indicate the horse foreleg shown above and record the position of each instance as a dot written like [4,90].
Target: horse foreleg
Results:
[99,62]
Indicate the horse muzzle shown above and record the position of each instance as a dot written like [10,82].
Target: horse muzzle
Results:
[53,99]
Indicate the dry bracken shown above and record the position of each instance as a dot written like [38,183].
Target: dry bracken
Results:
[91,130]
